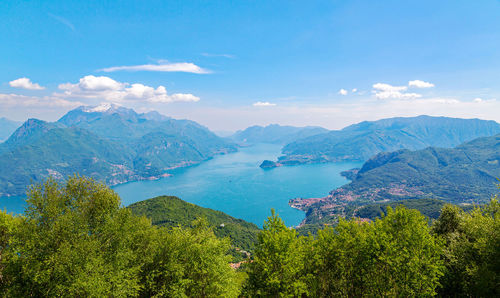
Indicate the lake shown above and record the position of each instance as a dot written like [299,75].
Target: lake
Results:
[235,184]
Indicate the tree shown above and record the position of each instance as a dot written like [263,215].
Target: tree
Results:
[278,267]
[472,254]
[8,224]
[394,256]
[190,263]
[75,240]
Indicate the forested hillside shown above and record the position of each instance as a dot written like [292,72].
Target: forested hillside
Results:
[110,143]
[167,211]
[466,174]
[361,141]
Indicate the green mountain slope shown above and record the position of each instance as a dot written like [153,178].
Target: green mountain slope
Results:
[275,134]
[466,174]
[431,208]
[125,125]
[361,141]
[171,211]
[110,143]
[59,153]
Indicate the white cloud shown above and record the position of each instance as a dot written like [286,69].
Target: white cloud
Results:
[163,66]
[12,100]
[25,83]
[263,104]
[108,89]
[387,87]
[478,99]
[420,84]
[342,92]
[354,90]
[386,91]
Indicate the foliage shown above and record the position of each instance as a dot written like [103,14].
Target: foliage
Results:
[394,256]
[278,268]
[472,254]
[190,262]
[431,208]
[169,211]
[76,240]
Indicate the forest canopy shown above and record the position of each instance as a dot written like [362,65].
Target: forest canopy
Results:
[75,239]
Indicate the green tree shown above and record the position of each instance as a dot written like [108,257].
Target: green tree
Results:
[407,255]
[472,254]
[8,224]
[278,268]
[394,256]
[190,263]
[343,259]
[75,240]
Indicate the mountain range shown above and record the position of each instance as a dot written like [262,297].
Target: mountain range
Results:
[465,175]
[361,141]
[275,134]
[108,142]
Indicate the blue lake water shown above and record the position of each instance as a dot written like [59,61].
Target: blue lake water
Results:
[235,184]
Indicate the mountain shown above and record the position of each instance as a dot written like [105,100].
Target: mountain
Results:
[109,143]
[275,134]
[61,152]
[171,211]
[29,132]
[7,127]
[466,174]
[361,141]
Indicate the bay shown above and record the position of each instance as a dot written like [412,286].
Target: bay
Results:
[235,184]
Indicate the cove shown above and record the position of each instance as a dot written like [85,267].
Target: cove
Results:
[235,184]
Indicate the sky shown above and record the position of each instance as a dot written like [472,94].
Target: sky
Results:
[232,64]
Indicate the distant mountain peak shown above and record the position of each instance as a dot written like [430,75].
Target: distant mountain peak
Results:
[103,108]
[154,115]
[30,129]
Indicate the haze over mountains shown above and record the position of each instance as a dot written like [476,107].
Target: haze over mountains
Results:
[7,127]
[108,142]
[275,134]
[361,141]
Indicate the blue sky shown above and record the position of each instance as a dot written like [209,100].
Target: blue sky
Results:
[231,64]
